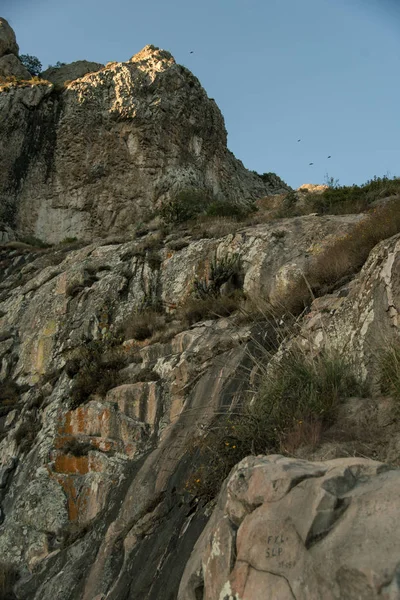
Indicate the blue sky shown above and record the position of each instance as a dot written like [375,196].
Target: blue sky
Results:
[324,71]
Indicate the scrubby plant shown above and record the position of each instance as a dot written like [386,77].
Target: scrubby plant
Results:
[31,64]
[222,269]
[209,307]
[342,258]
[186,205]
[94,368]
[222,208]
[354,198]
[142,324]
[291,404]
[331,182]
[31,240]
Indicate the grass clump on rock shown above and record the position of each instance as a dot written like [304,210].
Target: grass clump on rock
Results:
[291,405]
[94,368]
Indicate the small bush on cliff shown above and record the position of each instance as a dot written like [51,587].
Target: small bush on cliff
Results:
[290,406]
[94,368]
[222,270]
[344,257]
[31,63]
[186,205]
[190,203]
[354,198]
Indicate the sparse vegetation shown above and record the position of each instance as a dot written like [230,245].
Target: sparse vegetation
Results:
[141,325]
[354,198]
[190,203]
[222,270]
[390,370]
[292,404]
[210,307]
[94,368]
[6,83]
[31,64]
[343,257]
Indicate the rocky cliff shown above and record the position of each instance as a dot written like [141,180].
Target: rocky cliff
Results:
[121,357]
[98,154]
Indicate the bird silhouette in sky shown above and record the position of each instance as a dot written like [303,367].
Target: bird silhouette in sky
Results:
[191,52]
[299,140]
[329,156]
[310,164]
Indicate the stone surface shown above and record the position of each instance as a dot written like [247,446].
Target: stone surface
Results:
[301,533]
[70,72]
[129,137]
[11,66]
[8,42]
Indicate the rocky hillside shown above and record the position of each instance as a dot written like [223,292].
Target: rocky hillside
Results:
[191,408]
[97,152]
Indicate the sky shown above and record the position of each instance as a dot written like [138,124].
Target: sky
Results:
[322,71]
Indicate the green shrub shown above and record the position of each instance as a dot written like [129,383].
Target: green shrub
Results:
[354,198]
[222,208]
[31,240]
[222,270]
[31,63]
[300,395]
[185,206]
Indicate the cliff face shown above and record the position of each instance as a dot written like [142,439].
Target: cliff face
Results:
[100,154]
[119,354]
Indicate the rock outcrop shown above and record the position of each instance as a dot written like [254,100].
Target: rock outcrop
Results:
[8,42]
[69,72]
[114,365]
[129,446]
[11,66]
[101,154]
[295,530]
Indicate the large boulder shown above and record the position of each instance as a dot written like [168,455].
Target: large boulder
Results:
[59,75]
[8,42]
[295,530]
[11,66]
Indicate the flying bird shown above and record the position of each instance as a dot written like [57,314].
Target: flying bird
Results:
[191,52]
[310,164]
[299,140]
[329,156]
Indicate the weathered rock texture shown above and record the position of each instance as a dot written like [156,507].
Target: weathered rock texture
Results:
[11,66]
[100,155]
[295,530]
[71,71]
[8,42]
[94,502]
[98,515]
